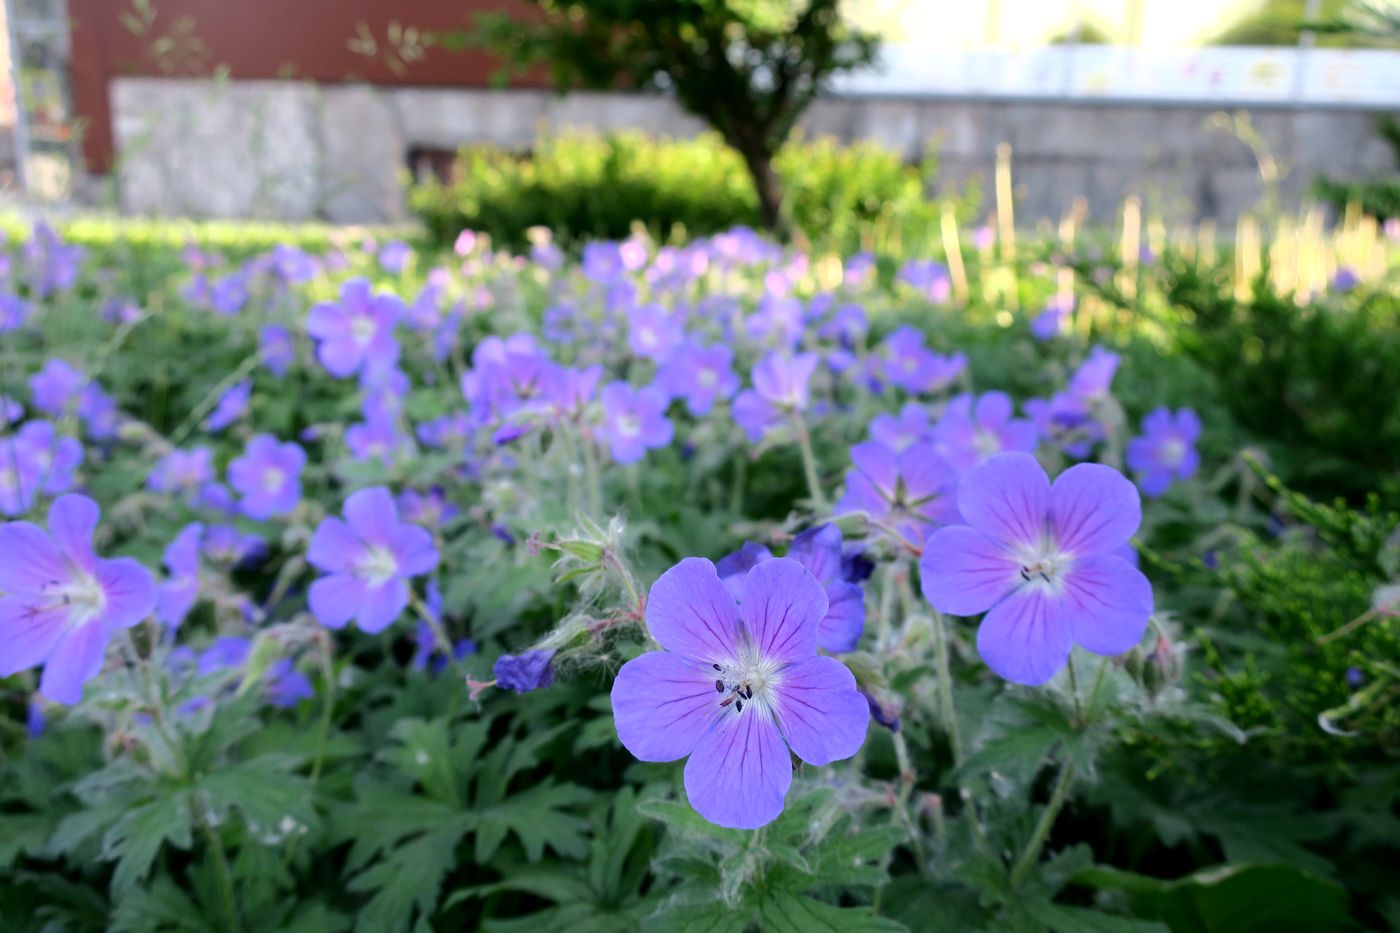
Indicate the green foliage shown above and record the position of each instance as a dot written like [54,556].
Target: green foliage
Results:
[582,187]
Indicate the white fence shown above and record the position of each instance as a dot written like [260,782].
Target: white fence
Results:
[1218,75]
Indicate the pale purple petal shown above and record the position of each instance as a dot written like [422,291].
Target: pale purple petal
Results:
[373,515]
[1026,637]
[965,572]
[1094,509]
[1007,497]
[29,635]
[844,622]
[691,613]
[130,590]
[1108,602]
[31,559]
[819,550]
[783,609]
[382,605]
[334,600]
[72,521]
[414,549]
[822,714]
[334,547]
[663,705]
[740,771]
[75,660]
[175,599]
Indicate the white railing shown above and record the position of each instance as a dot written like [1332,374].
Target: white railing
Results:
[1214,75]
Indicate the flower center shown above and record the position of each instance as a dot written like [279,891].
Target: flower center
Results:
[362,330]
[985,442]
[1173,451]
[707,378]
[378,566]
[83,596]
[629,425]
[1044,565]
[749,681]
[273,479]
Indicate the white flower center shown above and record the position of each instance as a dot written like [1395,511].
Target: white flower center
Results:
[362,330]
[378,566]
[273,479]
[1044,565]
[707,378]
[1173,451]
[749,681]
[82,595]
[985,442]
[629,425]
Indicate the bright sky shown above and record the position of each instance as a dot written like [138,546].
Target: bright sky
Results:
[966,24]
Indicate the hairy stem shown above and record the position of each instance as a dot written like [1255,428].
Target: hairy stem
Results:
[1031,853]
[809,463]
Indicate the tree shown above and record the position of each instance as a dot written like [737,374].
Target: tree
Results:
[749,68]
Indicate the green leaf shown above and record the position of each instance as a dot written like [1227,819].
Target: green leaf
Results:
[535,816]
[135,839]
[408,880]
[22,833]
[1059,918]
[159,906]
[792,913]
[273,801]
[682,817]
[1236,898]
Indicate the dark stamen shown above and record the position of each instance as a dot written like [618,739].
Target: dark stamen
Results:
[717,667]
[748,693]
[1025,575]
[719,686]
[738,706]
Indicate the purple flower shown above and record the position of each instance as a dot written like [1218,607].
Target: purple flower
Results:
[369,558]
[268,477]
[653,333]
[56,387]
[276,349]
[1051,320]
[228,295]
[10,410]
[232,405]
[229,547]
[915,368]
[356,332]
[292,265]
[897,432]
[602,263]
[61,602]
[53,263]
[700,375]
[286,686]
[99,412]
[819,550]
[176,596]
[1042,562]
[1165,451]
[1092,381]
[224,653]
[14,311]
[926,276]
[780,387]
[377,437]
[737,687]
[35,459]
[779,319]
[973,429]
[567,392]
[1345,280]
[634,420]
[532,670]
[911,491]
[431,509]
[394,256]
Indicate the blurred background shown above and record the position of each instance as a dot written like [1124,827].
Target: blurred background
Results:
[334,110]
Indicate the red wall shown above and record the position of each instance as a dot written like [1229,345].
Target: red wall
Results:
[252,39]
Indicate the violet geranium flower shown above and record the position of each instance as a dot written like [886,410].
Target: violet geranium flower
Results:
[176,595]
[971,430]
[268,477]
[62,602]
[634,420]
[701,376]
[368,559]
[736,687]
[780,387]
[1043,562]
[911,491]
[1165,451]
[357,331]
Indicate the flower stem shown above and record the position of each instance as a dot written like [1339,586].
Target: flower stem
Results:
[595,484]
[439,633]
[809,463]
[1074,692]
[216,852]
[1031,853]
[946,709]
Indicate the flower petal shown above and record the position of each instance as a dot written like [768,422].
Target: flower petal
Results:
[841,628]
[335,599]
[1026,637]
[1093,509]
[662,705]
[373,515]
[819,550]
[75,660]
[965,572]
[32,560]
[335,546]
[130,590]
[382,605]
[822,714]
[72,521]
[29,635]
[1007,497]
[1108,601]
[783,609]
[414,549]
[691,613]
[739,772]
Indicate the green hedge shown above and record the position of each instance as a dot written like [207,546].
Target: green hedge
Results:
[584,186]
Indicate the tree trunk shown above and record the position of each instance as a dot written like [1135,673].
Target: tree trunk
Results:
[759,161]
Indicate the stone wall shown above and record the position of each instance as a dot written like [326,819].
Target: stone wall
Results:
[298,150]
